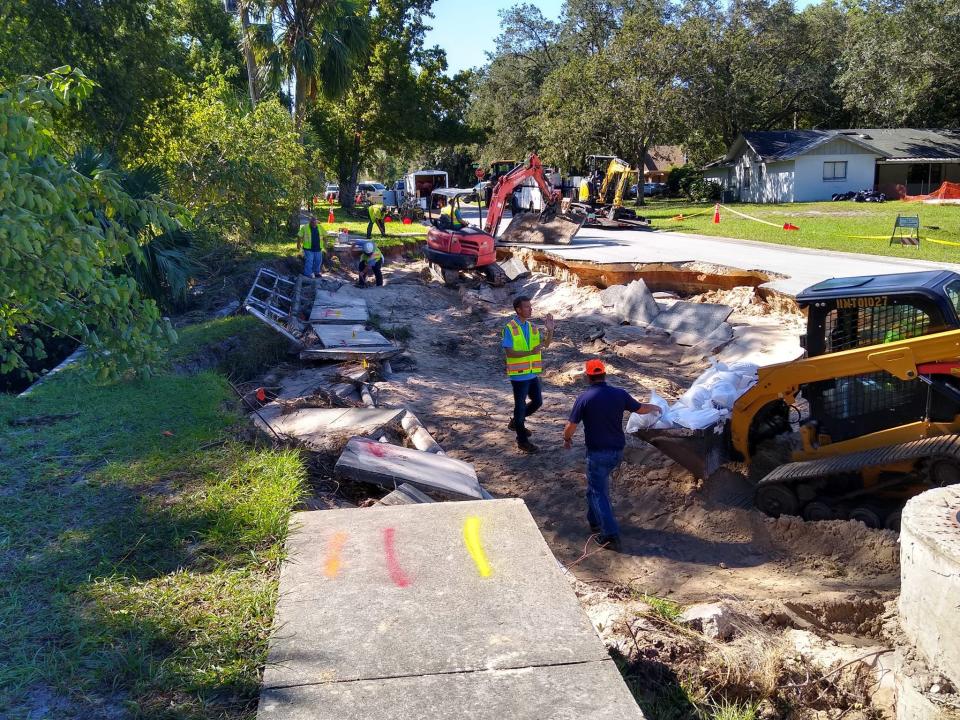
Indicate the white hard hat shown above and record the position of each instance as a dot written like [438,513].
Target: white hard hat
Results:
[368,247]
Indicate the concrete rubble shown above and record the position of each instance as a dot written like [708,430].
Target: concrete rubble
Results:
[405,494]
[714,620]
[365,460]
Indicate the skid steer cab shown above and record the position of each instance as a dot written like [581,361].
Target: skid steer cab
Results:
[453,247]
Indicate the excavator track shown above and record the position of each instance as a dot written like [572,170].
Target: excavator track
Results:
[777,493]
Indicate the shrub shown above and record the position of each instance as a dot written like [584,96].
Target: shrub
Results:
[702,190]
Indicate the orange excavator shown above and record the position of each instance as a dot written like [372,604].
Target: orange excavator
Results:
[452,248]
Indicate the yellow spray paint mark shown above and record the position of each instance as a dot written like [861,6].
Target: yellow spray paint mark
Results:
[332,566]
[471,538]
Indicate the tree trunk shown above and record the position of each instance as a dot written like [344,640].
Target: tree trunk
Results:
[348,169]
[643,153]
[248,55]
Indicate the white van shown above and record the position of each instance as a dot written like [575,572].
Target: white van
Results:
[419,184]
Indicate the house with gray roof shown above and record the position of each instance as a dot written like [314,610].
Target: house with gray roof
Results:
[777,166]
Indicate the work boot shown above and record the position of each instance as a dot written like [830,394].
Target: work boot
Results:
[610,542]
[512,426]
[528,447]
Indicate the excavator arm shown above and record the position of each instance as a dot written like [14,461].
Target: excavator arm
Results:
[615,178]
[505,186]
[937,354]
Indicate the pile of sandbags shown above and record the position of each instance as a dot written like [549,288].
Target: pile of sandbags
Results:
[706,403]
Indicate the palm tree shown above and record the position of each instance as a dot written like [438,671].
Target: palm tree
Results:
[314,42]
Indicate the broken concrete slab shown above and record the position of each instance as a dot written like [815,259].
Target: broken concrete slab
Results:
[326,298]
[636,305]
[389,466]
[764,342]
[339,315]
[620,334]
[612,295]
[348,353]
[406,494]
[317,428]
[513,268]
[439,610]
[710,345]
[688,323]
[418,434]
[352,336]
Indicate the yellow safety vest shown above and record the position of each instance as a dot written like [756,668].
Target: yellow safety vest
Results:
[377,257]
[376,212]
[532,362]
[584,191]
[448,210]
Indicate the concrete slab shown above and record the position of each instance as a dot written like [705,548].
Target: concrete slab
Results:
[584,691]
[688,323]
[636,304]
[930,577]
[388,465]
[513,268]
[325,298]
[406,494]
[763,342]
[440,610]
[339,315]
[353,336]
[316,428]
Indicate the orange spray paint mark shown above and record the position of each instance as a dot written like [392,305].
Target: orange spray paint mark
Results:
[331,568]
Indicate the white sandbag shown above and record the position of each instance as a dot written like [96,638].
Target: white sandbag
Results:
[636,421]
[697,396]
[723,394]
[696,419]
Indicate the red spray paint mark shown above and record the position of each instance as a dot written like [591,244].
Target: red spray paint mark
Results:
[397,574]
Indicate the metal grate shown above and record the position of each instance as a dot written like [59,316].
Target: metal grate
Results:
[855,327]
[862,395]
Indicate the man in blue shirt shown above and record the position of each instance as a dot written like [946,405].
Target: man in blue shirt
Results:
[523,345]
[601,409]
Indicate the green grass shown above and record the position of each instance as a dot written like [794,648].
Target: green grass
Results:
[844,226]
[664,609]
[139,546]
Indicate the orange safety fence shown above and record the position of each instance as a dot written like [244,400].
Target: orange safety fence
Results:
[947,193]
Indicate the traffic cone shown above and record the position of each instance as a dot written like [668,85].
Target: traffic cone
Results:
[790,226]
[330,218]
[716,214]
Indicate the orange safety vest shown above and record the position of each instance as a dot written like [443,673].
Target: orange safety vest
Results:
[532,362]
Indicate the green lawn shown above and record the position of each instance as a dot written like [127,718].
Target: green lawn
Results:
[139,544]
[845,226]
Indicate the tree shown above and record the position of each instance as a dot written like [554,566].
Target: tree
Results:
[619,100]
[316,42]
[237,170]
[900,60]
[64,239]
[401,98]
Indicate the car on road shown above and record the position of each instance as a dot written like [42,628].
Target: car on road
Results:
[332,193]
[370,192]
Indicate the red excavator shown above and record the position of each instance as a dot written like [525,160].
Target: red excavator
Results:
[453,249]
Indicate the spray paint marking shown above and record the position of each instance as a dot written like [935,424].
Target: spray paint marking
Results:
[331,568]
[471,538]
[397,574]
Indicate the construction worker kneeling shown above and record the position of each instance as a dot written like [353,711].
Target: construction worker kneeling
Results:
[371,261]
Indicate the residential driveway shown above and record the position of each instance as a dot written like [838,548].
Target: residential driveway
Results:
[800,267]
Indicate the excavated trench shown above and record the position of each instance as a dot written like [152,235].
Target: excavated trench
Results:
[689,278]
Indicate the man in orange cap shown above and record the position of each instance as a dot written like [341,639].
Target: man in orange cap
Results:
[601,408]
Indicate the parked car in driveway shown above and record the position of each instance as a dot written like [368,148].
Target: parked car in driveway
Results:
[654,188]
[370,192]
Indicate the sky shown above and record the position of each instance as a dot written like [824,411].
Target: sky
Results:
[466,29]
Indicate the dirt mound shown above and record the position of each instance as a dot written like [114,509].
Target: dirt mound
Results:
[749,302]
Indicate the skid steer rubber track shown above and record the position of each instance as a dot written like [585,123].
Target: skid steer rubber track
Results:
[940,446]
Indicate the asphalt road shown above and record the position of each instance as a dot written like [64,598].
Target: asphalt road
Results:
[801,267]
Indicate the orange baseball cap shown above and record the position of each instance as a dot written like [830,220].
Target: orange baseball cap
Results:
[596,367]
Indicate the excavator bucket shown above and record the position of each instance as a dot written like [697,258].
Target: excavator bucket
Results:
[702,452]
[546,228]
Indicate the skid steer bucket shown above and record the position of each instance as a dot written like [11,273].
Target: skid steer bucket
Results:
[546,228]
[702,452]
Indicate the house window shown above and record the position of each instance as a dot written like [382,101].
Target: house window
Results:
[746,177]
[835,170]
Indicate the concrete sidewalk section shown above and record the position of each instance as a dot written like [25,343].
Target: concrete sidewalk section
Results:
[442,610]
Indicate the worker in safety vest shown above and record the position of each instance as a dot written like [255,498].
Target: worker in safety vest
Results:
[376,213]
[371,261]
[452,211]
[523,345]
[584,195]
[310,240]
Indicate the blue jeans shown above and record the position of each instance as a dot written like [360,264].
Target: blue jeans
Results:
[312,262]
[523,389]
[600,463]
